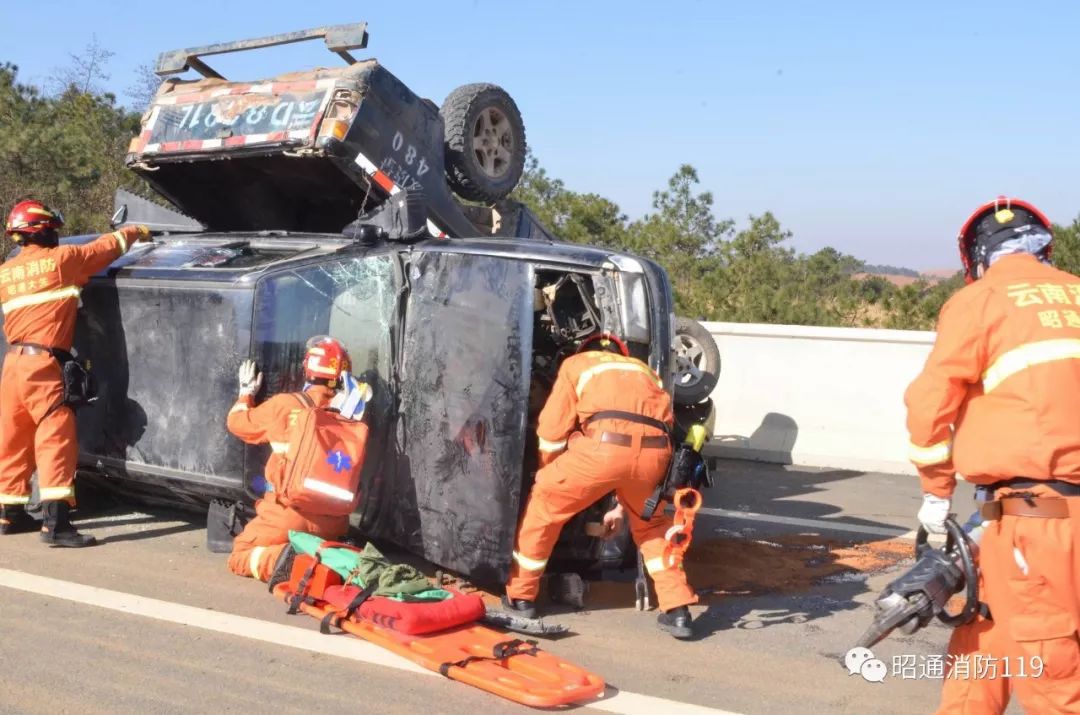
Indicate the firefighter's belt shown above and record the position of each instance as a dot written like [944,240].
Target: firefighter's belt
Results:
[626,440]
[20,349]
[1045,507]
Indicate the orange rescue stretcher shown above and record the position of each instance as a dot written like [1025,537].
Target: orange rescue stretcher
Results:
[471,653]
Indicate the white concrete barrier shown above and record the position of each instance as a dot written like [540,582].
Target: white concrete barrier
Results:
[826,397]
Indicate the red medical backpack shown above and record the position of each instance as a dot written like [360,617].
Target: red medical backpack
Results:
[322,465]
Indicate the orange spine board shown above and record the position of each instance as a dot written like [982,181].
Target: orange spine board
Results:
[542,680]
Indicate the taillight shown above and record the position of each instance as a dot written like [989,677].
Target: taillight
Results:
[339,114]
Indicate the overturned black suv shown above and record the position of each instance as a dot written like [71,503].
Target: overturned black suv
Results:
[321,203]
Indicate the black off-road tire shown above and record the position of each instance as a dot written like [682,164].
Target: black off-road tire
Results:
[484,161]
[697,362]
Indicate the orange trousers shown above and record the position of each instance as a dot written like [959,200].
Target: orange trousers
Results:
[29,387]
[1029,576]
[257,548]
[576,479]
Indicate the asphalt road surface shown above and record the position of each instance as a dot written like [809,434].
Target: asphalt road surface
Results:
[788,562]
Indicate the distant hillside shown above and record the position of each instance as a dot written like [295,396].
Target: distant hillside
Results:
[889,271]
[896,280]
[906,276]
[941,273]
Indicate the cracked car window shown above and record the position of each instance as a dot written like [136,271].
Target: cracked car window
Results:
[351,300]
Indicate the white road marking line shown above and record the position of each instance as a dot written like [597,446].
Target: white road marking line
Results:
[894,532]
[623,702]
[302,638]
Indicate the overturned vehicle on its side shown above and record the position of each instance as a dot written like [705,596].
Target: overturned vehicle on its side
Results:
[335,220]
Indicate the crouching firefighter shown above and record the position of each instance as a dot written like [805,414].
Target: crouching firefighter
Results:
[997,402]
[42,381]
[604,427]
[317,451]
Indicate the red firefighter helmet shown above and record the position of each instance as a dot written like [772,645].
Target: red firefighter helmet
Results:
[31,217]
[603,341]
[325,359]
[992,223]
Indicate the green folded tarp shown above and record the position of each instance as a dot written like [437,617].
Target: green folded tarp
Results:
[359,568]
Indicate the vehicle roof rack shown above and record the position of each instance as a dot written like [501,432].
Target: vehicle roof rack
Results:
[339,40]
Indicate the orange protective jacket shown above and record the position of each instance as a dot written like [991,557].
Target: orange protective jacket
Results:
[40,288]
[270,422]
[999,395]
[592,382]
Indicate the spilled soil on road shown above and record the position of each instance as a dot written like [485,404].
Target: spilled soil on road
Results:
[729,565]
[748,566]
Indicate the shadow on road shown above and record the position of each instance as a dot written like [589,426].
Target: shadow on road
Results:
[147,534]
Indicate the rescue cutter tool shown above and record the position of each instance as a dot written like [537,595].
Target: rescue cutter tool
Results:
[911,601]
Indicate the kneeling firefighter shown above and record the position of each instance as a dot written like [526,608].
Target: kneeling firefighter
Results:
[997,402]
[312,474]
[604,427]
[42,382]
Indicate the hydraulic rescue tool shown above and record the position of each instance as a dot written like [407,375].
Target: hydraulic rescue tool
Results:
[911,601]
[688,469]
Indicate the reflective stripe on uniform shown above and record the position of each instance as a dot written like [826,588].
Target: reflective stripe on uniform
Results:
[47,296]
[546,446]
[529,564]
[279,447]
[253,561]
[57,493]
[934,454]
[604,367]
[121,240]
[334,492]
[655,565]
[1025,356]
[14,499]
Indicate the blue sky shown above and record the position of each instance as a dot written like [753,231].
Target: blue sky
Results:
[871,127]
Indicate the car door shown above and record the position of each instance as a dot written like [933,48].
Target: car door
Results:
[353,299]
[464,382]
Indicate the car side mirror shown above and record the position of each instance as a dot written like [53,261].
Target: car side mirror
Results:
[119,217]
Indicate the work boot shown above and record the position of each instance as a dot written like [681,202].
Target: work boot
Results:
[15,520]
[678,622]
[57,529]
[282,567]
[519,607]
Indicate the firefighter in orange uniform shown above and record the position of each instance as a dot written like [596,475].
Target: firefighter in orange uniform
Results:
[604,427]
[998,403]
[39,295]
[257,549]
